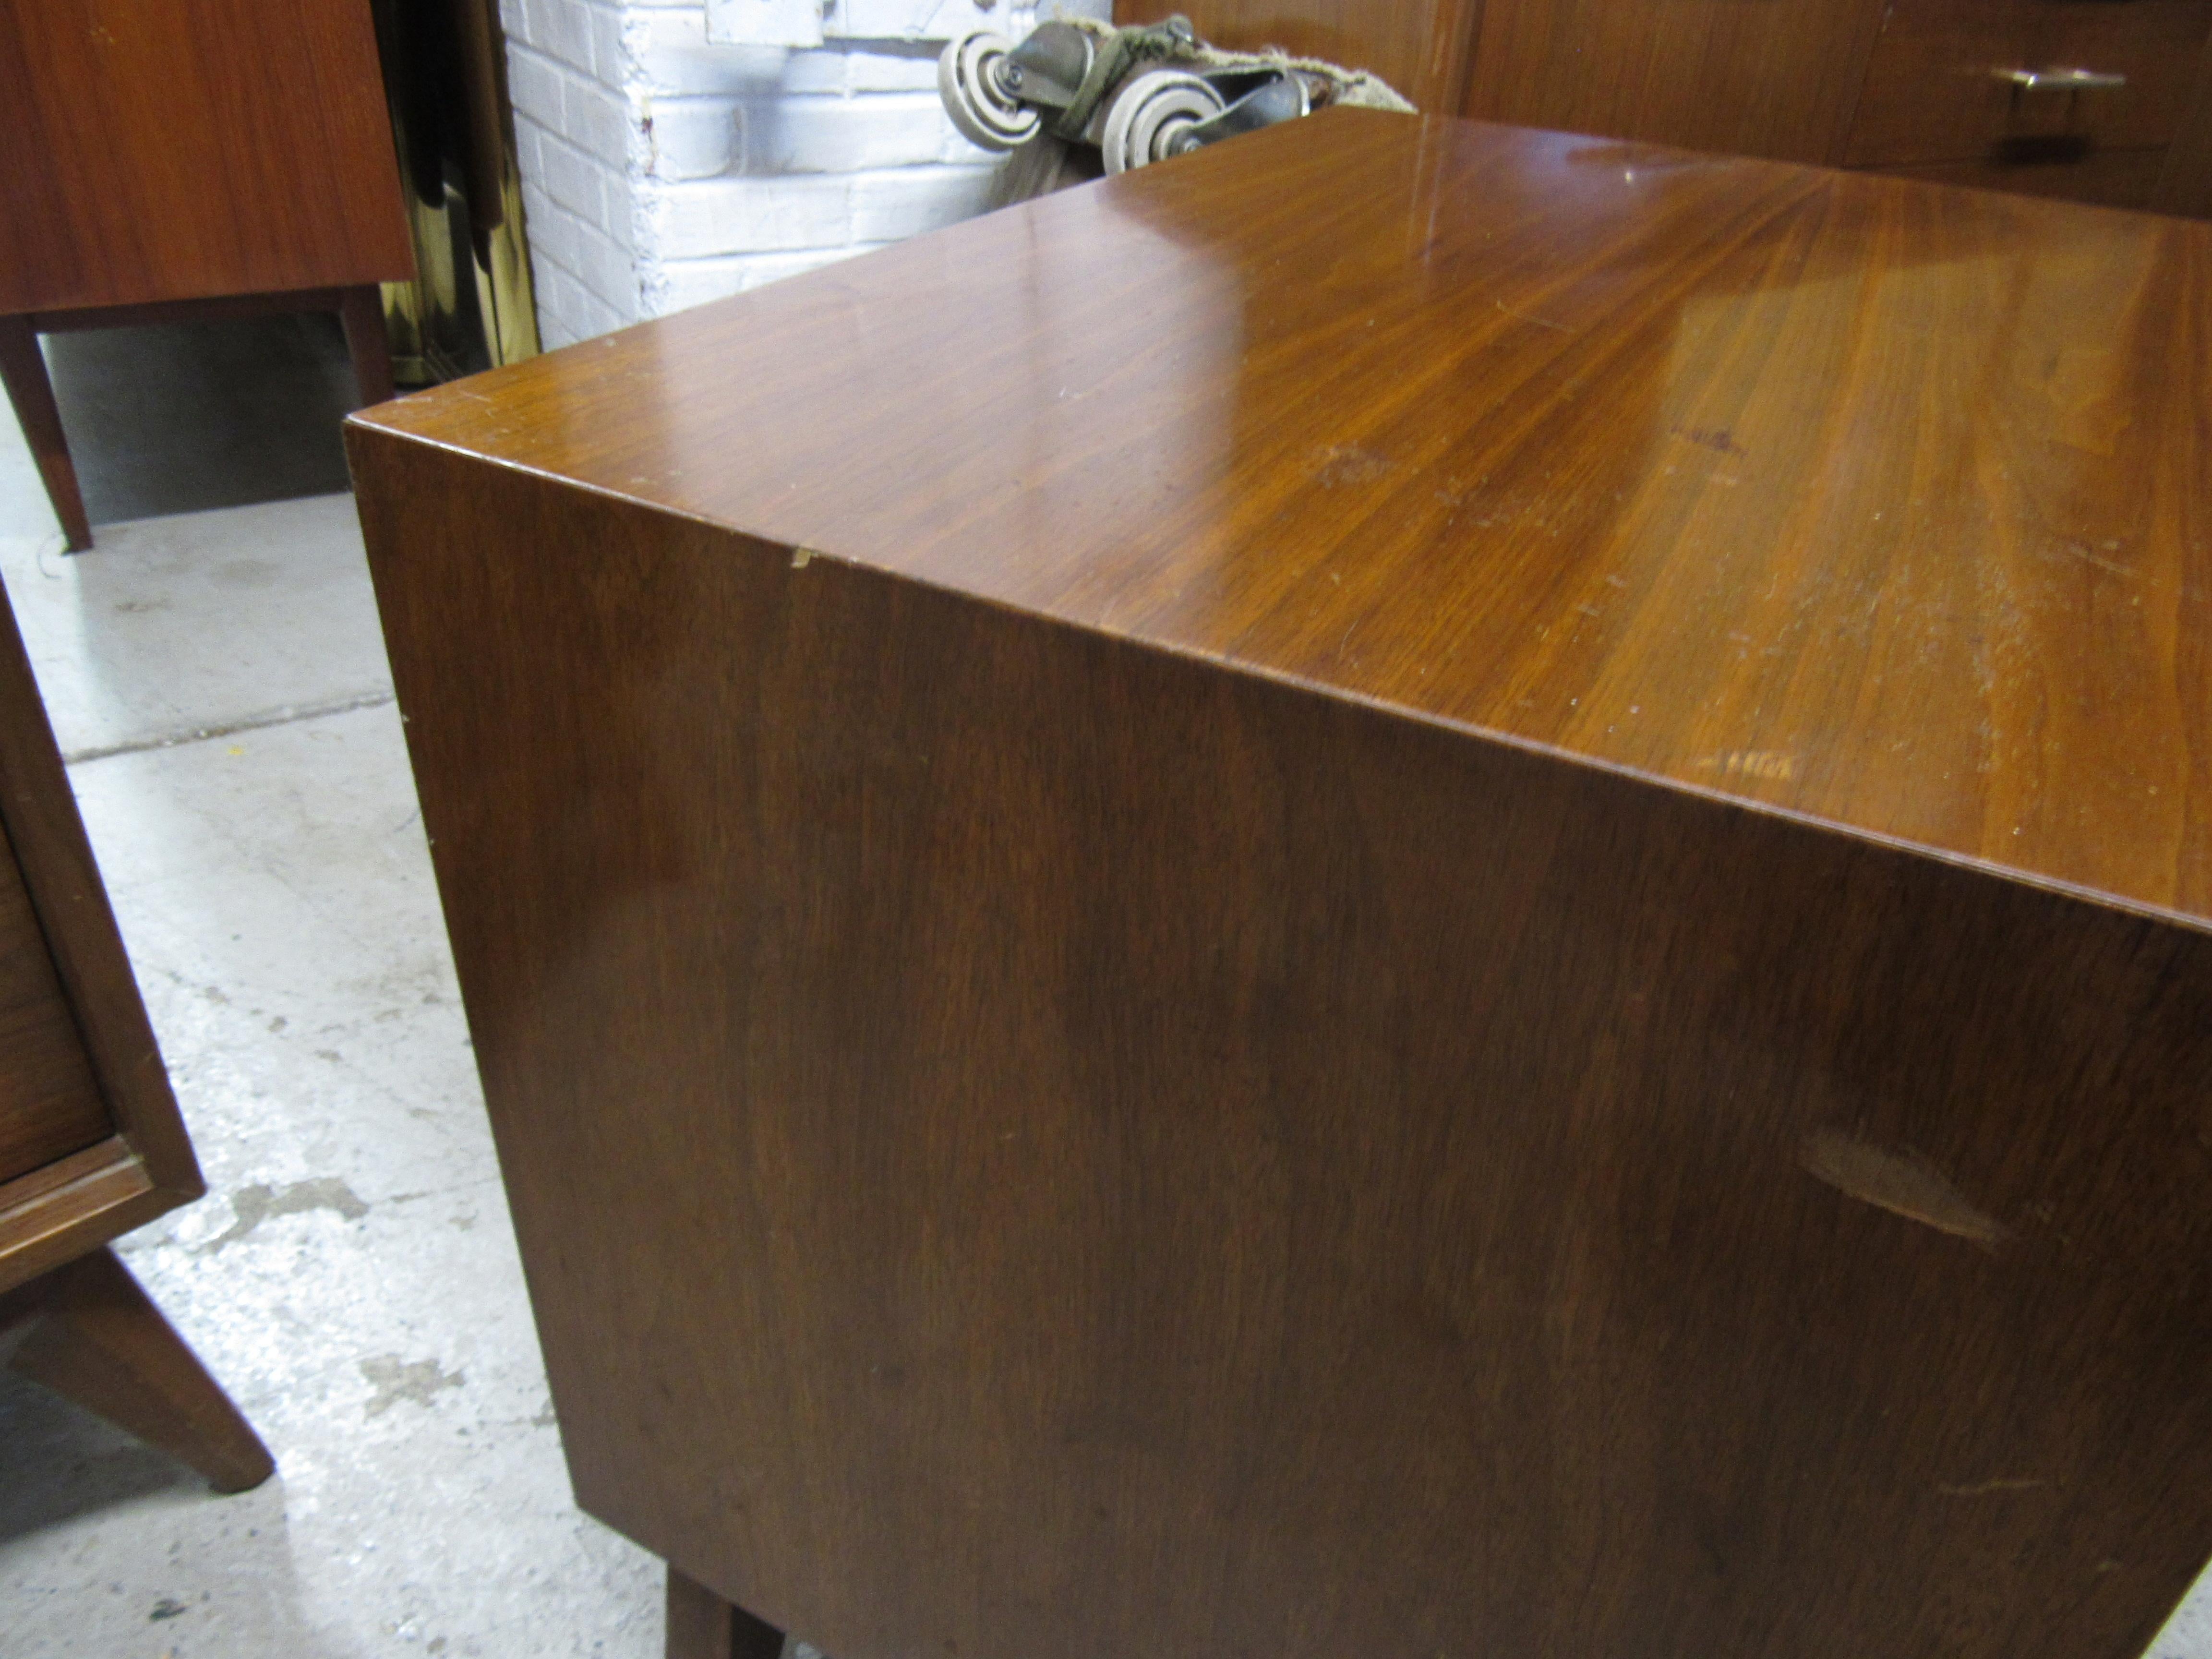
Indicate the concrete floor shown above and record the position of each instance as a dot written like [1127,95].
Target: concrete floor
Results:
[351,1276]
[218,680]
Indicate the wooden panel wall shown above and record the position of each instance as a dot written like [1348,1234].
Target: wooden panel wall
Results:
[1932,94]
[1776,78]
[2185,184]
[175,149]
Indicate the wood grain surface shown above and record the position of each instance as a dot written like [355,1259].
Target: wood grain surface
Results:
[1023,1142]
[1843,497]
[192,148]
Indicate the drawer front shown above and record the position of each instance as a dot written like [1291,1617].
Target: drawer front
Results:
[1939,85]
[49,1103]
[2111,178]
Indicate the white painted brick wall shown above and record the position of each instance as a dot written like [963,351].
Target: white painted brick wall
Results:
[660,169]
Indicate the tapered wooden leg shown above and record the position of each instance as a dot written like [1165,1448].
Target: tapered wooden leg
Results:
[93,1337]
[703,1626]
[28,389]
[363,313]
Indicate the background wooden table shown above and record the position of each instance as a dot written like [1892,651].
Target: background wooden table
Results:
[1412,888]
[185,160]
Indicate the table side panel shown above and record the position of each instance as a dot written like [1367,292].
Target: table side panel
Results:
[1024,1142]
[1882,503]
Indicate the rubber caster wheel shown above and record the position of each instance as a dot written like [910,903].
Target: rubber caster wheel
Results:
[1150,113]
[968,81]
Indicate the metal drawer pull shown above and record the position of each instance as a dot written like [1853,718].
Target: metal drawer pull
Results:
[2060,80]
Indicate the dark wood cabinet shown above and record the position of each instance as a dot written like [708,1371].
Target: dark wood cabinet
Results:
[1411,888]
[91,1145]
[1774,78]
[49,1102]
[1940,87]
[1964,91]
[181,159]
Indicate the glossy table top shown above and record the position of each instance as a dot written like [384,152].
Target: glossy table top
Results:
[1876,503]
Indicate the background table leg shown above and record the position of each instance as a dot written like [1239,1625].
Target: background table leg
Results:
[24,370]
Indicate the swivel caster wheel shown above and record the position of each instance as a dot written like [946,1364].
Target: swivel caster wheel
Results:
[1151,118]
[970,81]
